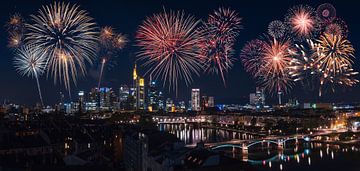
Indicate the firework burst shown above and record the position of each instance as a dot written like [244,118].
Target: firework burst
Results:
[303,21]
[277,29]
[333,53]
[221,30]
[251,56]
[68,37]
[226,23]
[15,27]
[274,71]
[30,62]
[326,12]
[168,46]
[337,27]
[110,43]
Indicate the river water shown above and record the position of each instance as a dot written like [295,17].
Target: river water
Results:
[264,157]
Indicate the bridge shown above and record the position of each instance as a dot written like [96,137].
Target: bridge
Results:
[245,145]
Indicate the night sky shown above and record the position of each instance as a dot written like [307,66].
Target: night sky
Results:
[125,18]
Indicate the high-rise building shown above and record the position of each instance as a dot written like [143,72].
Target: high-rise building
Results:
[152,97]
[81,101]
[181,107]
[105,98]
[161,101]
[195,100]
[258,98]
[124,93]
[211,101]
[169,105]
[94,98]
[204,102]
[139,91]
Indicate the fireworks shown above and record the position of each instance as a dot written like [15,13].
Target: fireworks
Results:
[333,53]
[326,12]
[68,37]
[251,56]
[168,46]
[15,28]
[30,62]
[15,39]
[110,42]
[216,48]
[274,69]
[226,23]
[337,27]
[277,29]
[303,21]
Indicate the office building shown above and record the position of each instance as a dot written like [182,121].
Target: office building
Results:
[139,90]
[81,101]
[152,97]
[195,100]
[211,101]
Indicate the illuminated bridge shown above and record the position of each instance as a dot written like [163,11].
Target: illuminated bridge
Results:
[280,142]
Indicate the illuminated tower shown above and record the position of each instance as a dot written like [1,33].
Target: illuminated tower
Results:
[152,97]
[195,100]
[139,90]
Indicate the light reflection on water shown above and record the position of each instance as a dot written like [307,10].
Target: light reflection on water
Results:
[294,157]
[192,133]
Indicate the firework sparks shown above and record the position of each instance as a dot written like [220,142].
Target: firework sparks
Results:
[337,27]
[30,62]
[110,42]
[275,66]
[251,56]
[15,40]
[276,29]
[168,46]
[333,53]
[226,23]
[303,21]
[216,49]
[15,27]
[326,12]
[68,37]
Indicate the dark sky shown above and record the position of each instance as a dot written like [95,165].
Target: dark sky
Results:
[125,16]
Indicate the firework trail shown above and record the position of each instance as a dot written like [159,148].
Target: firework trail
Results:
[168,44]
[68,37]
[30,62]
[110,42]
[222,28]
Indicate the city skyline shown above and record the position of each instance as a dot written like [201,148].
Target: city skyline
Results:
[238,83]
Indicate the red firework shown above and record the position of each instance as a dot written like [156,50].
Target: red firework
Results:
[226,23]
[274,70]
[251,56]
[302,20]
[168,44]
[216,50]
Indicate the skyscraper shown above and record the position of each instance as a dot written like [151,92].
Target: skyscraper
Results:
[152,97]
[211,101]
[81,101]
[195,100]
[139,91]
[105,101]
[204,102]
[258,98]
[124,93]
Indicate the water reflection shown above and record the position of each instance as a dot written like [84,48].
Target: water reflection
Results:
[194,133]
